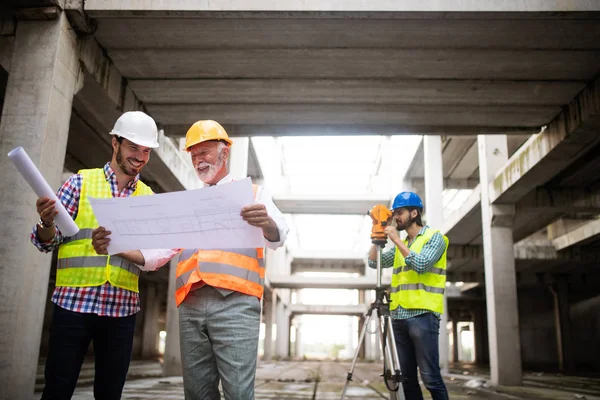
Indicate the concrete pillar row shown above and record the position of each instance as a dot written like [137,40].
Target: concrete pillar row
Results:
[172,357]
[455,339]
[434,185]
[238,157]
[563,326]
[282,343]
[298,348]
[43,77]
[500,274]
[270,310]
[151,311]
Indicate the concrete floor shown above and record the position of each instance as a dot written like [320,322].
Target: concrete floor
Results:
[301,380]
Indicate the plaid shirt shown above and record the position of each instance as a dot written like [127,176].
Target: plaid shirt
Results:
[420,262]
[106,299]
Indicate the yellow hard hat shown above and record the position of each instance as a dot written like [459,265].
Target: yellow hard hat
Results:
[203,131]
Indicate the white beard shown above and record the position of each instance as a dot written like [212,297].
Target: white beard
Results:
[210,173]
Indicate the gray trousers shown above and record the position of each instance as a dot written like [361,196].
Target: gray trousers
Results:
[219,342]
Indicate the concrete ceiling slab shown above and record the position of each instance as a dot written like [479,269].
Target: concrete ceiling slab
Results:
[354,91]
[251,31]
[358,63]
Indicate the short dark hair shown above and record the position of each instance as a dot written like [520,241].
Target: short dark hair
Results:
[119,139]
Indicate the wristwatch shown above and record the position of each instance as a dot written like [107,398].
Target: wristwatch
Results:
[42,225]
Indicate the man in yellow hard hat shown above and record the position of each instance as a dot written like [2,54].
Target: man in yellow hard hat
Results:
[219,292]
[96,297]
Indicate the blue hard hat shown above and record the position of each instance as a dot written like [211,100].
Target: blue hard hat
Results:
[407,199]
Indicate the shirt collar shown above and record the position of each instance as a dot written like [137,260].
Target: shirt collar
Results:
[110,174]
[226,179]
[421,232]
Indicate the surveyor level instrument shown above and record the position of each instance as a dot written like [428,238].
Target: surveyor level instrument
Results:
[392,373]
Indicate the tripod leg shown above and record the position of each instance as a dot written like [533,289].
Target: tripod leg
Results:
[388,358]
[394,360]
[368,316]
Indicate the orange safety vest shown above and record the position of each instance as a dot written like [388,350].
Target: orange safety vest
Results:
[242,270]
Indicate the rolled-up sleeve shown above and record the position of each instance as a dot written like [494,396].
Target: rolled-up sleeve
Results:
[68,194]
[264,197]
[387,259]
[156,258]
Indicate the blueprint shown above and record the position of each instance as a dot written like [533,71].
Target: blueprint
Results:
[207,218]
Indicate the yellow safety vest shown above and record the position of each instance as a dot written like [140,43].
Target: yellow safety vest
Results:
[413,290]
[242,270]
[78,263]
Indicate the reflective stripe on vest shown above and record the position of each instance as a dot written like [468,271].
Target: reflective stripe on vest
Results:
[242,270]
[412,290]
[433,270]
[82,234]
[96,262]
[78,263]
[417,286]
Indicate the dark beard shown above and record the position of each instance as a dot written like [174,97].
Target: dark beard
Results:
[121,164]
[408,224]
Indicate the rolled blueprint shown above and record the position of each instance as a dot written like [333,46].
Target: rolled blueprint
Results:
[39,185]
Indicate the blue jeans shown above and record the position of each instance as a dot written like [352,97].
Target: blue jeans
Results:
[70,336]
[219,343]
[417,343]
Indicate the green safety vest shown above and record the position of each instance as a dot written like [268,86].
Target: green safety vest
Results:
[413,290]
[78,263]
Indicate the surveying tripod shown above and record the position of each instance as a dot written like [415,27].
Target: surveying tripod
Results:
[392,373]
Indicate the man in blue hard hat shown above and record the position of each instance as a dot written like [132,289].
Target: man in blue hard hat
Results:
[416,295]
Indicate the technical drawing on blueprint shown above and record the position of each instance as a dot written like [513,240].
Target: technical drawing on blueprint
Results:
[207,218]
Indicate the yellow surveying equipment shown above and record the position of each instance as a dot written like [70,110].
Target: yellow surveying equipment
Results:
[392,373]
[380,215]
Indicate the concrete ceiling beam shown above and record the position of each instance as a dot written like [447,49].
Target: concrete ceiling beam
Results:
[363,114]
[354,91]
[588,231]
[118,7]
[562,200]
[309,205]
[302,282]
[314,309]
[543,156]
[450,183]
[305,129]
[525,251]
[348,63]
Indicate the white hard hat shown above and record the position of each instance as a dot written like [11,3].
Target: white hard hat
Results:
[137,127]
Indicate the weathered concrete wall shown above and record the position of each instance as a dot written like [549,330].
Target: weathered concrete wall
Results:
[585,319]
[538,336]
[538,333]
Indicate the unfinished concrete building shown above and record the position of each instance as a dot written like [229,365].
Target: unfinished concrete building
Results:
[506,96]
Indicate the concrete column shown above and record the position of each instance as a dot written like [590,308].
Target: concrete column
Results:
[43,77]
[455,339]
[564,333]
[480,334]
[172,356]
[434,186]
[151,309]
[500,276]
[364,344]
[282,343]
[299,351]
[270,311]
[238,158]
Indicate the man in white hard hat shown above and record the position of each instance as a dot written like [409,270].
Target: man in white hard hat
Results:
[219,292]
[96,296]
